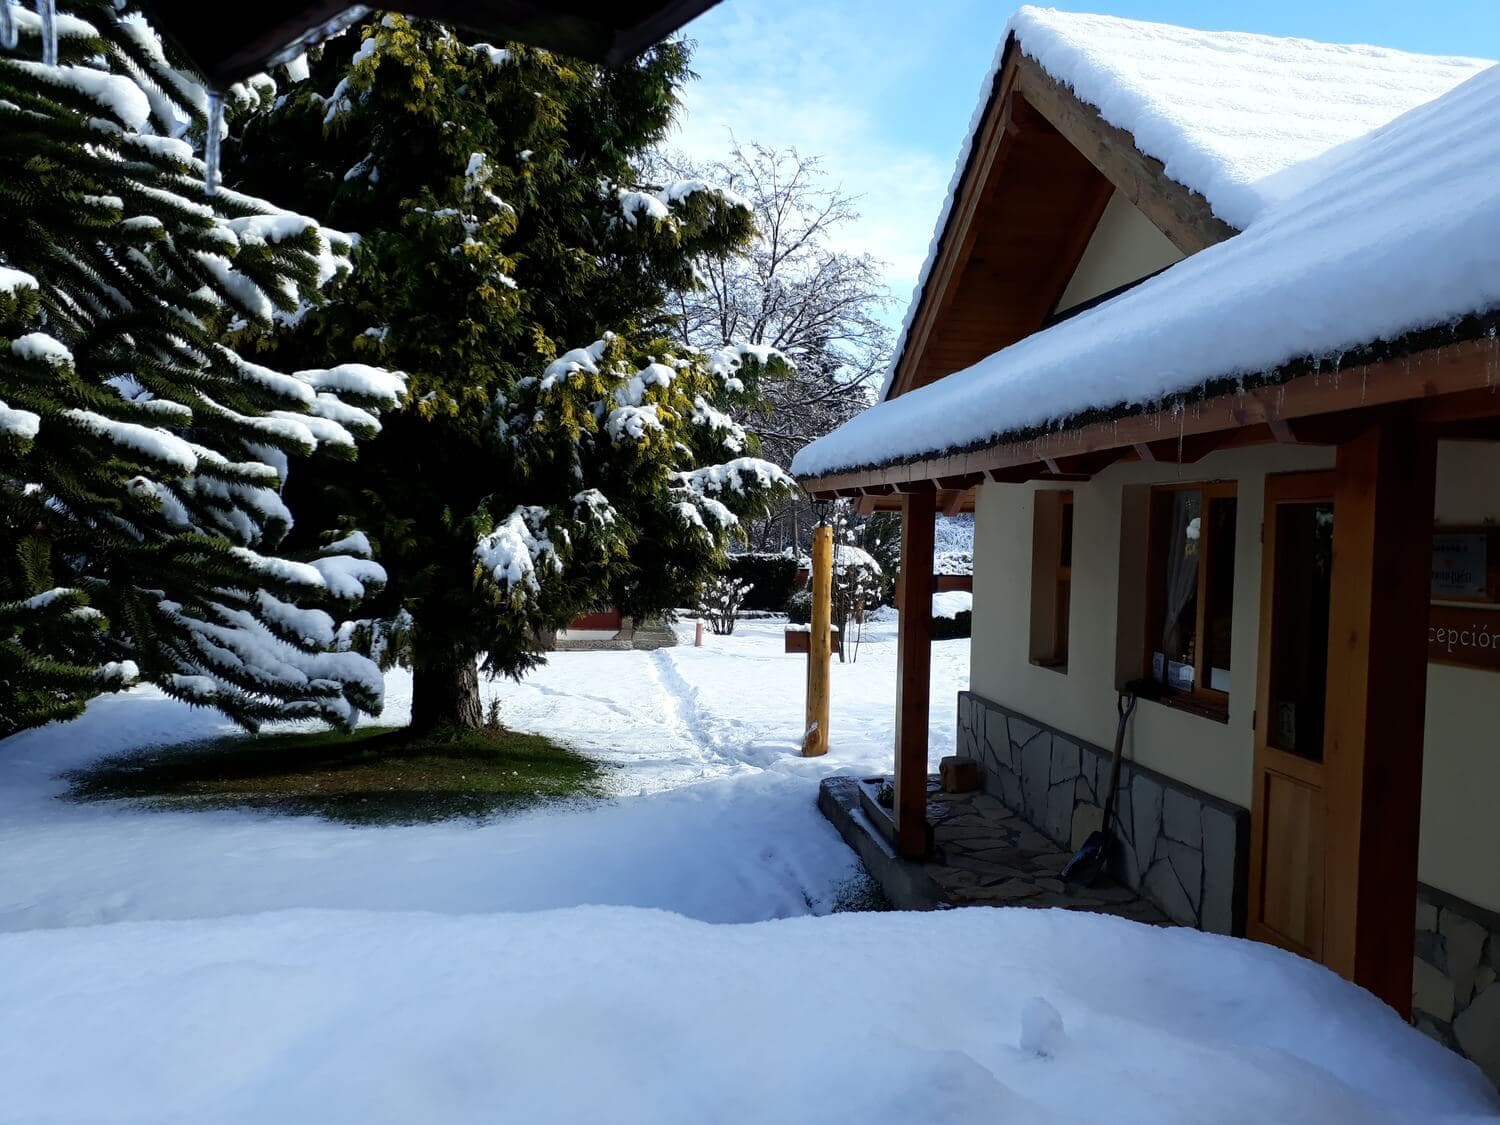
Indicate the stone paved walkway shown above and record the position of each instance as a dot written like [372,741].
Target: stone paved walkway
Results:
[986,855]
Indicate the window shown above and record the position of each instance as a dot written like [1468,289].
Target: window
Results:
[1299,626]
[1190,576]
[1051,578]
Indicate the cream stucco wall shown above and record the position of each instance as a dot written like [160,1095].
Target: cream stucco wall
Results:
[1125,247]
[1460,831]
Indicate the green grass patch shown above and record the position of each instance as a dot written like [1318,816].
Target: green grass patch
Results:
[377,775]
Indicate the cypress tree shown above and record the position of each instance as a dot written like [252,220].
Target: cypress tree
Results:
[557,452]
[142,460]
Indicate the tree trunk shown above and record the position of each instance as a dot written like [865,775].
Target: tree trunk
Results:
[445,694]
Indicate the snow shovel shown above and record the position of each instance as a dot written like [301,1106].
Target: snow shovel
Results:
[1093,859]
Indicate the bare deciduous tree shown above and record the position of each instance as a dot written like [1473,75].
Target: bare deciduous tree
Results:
[796,291]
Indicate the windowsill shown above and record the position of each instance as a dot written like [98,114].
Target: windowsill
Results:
[1058,666]
[1179,701]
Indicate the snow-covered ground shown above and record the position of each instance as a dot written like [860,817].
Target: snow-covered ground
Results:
[714,816]
[214,966]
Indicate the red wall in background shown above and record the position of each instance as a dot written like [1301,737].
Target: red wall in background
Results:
[604,619]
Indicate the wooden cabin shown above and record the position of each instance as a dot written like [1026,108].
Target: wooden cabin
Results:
[1207,341]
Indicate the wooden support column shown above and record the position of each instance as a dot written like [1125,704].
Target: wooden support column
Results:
[819,644]
[1377,693]
[914,673]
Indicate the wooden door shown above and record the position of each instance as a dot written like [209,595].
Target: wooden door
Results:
[1288,829]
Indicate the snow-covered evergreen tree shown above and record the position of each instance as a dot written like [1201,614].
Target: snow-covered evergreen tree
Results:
[558,452]
[142,460]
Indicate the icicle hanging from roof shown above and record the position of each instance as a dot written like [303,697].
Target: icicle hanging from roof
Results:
[211,143]
[47,10]
[9,33]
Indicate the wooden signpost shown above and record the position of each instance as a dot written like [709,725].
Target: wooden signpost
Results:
[820,647]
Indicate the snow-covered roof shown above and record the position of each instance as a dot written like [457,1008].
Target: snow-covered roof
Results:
[1233,116]
[1396,231]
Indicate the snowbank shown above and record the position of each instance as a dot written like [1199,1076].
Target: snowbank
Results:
[152,970]
[605,1014]
[950,603]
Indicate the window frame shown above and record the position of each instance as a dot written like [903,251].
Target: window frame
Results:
[1051,578]
[1201,697]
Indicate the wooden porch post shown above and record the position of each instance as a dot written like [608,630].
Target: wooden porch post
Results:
[914,672]
[1377,695]
[819,644]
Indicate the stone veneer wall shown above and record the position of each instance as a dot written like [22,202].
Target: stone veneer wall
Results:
[1184,849]
[1454,995]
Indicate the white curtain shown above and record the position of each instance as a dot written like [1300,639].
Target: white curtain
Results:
[1182,572]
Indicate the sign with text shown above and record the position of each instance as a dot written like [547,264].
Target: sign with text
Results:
[1460,565]
[1466,636]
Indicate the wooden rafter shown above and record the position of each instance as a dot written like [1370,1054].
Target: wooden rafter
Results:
[1037,144]
[1182,215]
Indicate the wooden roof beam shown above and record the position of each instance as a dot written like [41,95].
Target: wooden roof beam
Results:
[1086,465]
[1017,474]
[1182,215]
[955,501]
[1469,406]
[1189,449]
[1023,474]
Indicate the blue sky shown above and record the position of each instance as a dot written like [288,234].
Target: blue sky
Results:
[883,91]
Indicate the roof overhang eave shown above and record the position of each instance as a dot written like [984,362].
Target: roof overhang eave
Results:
[1219,414]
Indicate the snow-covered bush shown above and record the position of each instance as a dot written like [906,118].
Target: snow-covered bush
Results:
[799,608]
[720,602]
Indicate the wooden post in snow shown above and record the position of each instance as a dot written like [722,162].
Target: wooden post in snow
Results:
[819,645]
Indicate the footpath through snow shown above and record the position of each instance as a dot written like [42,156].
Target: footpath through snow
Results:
[714,816]
[213,966]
